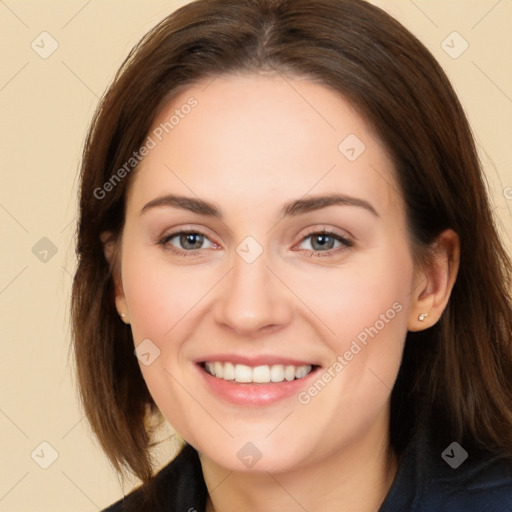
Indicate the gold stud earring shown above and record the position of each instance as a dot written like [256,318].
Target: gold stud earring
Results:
[422,317]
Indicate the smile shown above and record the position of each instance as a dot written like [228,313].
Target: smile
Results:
[258,374]
[252,383]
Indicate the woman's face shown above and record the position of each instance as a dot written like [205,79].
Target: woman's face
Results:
[296,269]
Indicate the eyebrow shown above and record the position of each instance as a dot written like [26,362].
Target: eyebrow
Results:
[291,209]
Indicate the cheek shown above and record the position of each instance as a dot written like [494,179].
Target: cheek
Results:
[364,315]
[361,300]
[159,295]
[362,311]
[161,300]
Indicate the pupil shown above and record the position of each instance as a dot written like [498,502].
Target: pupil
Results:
[322,241]
[190,239]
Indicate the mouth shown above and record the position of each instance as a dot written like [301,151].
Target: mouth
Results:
[262,374]
[251,383]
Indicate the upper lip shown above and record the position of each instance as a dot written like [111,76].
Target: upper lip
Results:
[253,361]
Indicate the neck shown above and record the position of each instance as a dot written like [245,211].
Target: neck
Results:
[352,479]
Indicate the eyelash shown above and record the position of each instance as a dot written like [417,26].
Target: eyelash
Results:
[345,243]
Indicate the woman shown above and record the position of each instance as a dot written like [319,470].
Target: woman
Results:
[286,250]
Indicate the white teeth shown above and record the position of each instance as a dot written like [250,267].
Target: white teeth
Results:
[219,367]
[210,367]
[257,374]
[229,371]
[242,373]
[277,373]
[289,373]
[300,372]
[261,374]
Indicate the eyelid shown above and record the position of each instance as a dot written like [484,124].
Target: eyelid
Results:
[328,230]
[346,241]
[164,239]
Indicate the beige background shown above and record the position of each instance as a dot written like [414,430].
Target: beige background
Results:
[46,105]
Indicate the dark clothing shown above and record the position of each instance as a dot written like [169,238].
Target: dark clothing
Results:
[424,482]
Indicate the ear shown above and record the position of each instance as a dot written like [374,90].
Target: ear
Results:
[434,282]
[109,250]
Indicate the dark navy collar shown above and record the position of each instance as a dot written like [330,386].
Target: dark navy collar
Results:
[436,475]
[425,482]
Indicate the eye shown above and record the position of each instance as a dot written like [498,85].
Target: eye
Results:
[324,241]
[190,242]
[186,241]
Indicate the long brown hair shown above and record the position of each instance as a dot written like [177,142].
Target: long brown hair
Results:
[459,370]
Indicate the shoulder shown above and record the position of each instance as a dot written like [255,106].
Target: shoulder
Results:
[177,486]
[484,484]
[444,476]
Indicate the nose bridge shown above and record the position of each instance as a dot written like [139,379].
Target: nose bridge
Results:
[251,298]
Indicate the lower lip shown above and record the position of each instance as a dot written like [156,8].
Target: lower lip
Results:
[250,394]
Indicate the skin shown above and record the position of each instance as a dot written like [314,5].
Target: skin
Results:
[252,144]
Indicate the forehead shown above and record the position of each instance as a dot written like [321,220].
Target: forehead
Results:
[260,134]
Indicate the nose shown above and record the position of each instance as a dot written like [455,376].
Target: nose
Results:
[252,299]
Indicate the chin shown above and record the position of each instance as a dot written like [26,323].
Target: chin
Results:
[258,456]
